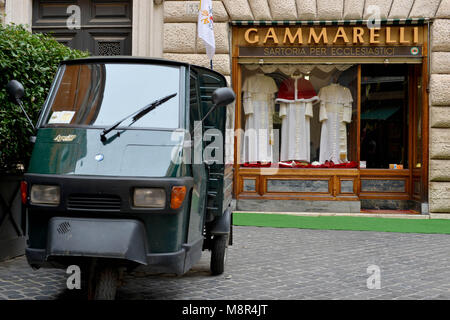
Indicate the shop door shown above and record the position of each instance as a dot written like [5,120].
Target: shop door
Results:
[101,27]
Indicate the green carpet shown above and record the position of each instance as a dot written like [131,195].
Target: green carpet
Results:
[342,223]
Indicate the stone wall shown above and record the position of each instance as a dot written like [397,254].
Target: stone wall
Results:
[439,195]
[181,43]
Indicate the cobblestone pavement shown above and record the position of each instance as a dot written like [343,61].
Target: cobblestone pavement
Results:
[270,263]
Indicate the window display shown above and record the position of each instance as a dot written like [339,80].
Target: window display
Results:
[312,110]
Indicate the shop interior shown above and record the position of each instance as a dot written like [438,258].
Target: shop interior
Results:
[383,118]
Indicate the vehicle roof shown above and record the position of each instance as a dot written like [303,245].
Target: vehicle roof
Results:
[131,59]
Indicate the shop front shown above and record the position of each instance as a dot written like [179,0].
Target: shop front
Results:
[330,117]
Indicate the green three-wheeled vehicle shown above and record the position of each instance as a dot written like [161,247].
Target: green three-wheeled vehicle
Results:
[128,170]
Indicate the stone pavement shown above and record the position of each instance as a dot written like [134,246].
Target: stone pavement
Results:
[271,263]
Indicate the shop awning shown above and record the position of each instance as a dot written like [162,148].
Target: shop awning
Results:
[409,21]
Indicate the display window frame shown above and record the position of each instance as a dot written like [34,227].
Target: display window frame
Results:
[344,184]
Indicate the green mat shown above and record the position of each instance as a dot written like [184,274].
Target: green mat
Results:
[342,223]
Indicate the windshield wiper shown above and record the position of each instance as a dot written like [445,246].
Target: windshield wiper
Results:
[137,115]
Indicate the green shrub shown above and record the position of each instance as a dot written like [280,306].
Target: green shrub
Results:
[33,60]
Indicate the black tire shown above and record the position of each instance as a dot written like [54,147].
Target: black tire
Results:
[230,238]
[106,284]
[218,254]
[88,276]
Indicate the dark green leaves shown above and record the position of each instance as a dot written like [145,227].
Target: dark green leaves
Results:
[33,60]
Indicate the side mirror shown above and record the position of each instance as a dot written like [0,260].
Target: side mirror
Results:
[222,97]
[15,90]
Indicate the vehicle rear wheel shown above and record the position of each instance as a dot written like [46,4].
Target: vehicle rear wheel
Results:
[219,254]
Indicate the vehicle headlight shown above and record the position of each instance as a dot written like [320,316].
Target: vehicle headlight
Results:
[43,194]
[149,197]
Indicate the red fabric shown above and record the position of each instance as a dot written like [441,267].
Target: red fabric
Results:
[305,90]
[331,164]
[257,164]
[301,164]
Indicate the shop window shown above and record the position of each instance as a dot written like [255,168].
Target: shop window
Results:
[299,116]
[384,116]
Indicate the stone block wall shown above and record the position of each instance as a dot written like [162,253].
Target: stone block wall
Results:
[181,42]
[439,194]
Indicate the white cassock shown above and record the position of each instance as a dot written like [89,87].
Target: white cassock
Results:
[258,102]
[296,97]
[335,113]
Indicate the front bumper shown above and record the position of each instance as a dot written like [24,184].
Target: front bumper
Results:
[122,240]
[174,262]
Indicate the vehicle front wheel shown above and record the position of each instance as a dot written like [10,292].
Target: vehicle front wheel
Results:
[219,254]
[106,284]
[102,281]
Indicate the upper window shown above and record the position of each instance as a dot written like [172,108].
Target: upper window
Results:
[100,94]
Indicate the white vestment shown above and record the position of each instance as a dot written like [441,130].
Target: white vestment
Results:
[335,113]
[295,127]
[258,105]
[295,130]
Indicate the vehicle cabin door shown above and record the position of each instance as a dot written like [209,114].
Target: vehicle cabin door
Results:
[204,204]
[214,141]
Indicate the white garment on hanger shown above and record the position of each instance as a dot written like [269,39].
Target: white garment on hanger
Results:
[295,130]
[258,106]
[335,113]
[296,115]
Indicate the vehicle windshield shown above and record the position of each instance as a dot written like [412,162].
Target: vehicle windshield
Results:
[100,94]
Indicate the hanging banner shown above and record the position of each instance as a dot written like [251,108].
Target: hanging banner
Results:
[206,27]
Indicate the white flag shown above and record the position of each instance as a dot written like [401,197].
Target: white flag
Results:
[206,27]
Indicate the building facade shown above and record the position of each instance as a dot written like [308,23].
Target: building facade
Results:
[397,73]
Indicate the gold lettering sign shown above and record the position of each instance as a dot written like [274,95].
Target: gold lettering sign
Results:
[388,36]
[374,35]
[340,33]
[402,36]
[288,35]
[333,35]
[271,34]
[322,35]
[358,33]
[255,38]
